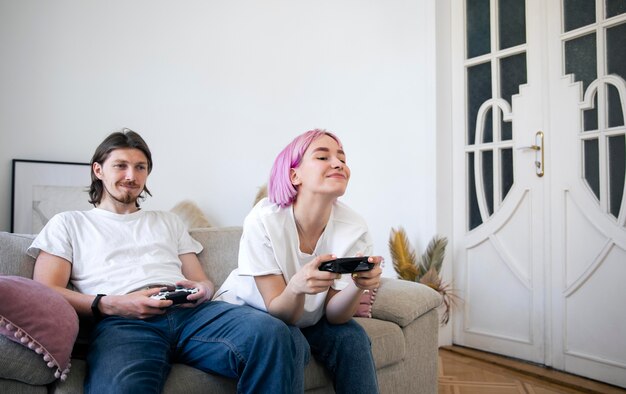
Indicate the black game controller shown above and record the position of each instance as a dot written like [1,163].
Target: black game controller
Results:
[177,296]
[347,265]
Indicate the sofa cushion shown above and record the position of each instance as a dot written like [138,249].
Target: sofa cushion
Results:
[19,363]
[185,379]
[13,257]
[388,344]
[39,318]
[402,301]
[75,381]
[16,387]
[220,253]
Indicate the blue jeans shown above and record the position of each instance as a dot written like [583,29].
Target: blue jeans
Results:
[345,351]
[239,342]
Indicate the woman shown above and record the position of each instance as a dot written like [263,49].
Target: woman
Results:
[285,239]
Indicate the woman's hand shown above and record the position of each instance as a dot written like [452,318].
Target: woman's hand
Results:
[310,280]
[286,300]
[341,305]
[369,280]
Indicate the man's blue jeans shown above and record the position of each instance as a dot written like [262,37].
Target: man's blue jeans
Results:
[135,356]
[345,351]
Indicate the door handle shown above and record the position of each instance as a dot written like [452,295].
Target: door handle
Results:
[539,153]
[531,147]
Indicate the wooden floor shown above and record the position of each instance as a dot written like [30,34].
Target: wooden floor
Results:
[467,371]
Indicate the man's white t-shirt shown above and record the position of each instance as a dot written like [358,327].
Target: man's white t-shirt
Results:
[117,253]
[270,246]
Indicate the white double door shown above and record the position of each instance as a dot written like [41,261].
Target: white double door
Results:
[539,222]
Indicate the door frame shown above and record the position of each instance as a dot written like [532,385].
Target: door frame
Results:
[449,120]
[445,126]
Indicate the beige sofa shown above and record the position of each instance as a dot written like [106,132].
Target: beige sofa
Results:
[403,331]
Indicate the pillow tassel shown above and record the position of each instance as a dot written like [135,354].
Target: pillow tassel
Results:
[47,357]
[63,375]
[65,372]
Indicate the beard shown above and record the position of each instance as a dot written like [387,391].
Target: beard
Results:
[123,197]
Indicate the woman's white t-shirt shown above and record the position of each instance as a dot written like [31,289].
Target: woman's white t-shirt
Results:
[117,253]
[270,246]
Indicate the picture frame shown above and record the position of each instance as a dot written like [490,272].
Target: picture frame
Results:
[41,189]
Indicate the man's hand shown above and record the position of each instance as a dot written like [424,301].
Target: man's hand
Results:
[136,305]
[205,292]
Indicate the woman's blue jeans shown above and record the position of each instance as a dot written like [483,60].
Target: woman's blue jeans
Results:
[345,351]
[135,356]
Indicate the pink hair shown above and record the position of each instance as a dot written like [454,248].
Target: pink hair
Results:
[280,190]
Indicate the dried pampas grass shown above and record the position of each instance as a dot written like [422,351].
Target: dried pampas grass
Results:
[425,269]
[191,214]
[261,194]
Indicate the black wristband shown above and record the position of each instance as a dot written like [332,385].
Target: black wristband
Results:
[97,315]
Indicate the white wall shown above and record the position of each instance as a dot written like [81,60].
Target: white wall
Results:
[217,88]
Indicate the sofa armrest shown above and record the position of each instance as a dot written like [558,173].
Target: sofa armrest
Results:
[402,301]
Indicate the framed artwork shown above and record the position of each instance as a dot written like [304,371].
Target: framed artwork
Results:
[41,189]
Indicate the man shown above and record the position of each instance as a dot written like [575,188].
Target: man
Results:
[117,256]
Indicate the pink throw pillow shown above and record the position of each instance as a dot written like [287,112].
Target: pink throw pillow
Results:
[365,305]
[39,318]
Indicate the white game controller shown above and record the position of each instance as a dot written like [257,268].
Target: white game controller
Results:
[178,295]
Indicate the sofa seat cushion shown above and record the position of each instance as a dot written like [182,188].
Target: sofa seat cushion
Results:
[388,344]
[15,387]
[74,382]
[316,376]
[186,379]
[183,378]
[19,363]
